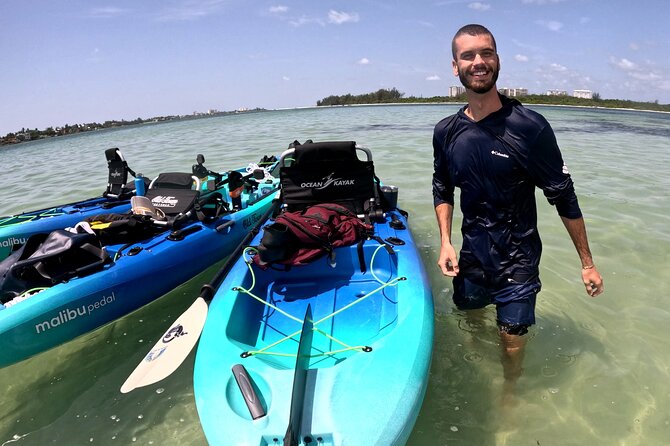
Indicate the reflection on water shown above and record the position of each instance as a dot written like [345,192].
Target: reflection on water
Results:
[596,371]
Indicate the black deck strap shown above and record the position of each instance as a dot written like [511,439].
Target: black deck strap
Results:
[388,247]
[361,256]
[100,253]
[197,208]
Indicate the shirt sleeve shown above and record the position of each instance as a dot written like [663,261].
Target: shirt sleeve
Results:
[443,186]
[550,174]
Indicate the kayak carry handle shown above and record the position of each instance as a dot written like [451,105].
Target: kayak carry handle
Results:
[251,398]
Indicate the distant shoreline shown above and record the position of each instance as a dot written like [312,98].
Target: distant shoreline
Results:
[84,128]
[595,107]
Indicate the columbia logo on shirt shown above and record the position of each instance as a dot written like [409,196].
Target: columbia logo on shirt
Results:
[496,153]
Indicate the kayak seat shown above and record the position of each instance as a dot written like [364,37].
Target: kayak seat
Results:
[174,193]
[117,183]
[330,197]
[329,172]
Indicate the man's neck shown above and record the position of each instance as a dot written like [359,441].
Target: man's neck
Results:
[482,105]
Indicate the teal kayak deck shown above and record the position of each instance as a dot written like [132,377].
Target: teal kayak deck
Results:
[371,348]
[347,305]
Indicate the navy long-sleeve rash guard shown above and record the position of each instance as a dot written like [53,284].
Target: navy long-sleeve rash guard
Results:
[497,163]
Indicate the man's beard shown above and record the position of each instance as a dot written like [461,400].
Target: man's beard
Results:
[480,88]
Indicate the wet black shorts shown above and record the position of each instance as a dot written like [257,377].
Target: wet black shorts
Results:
[514,301]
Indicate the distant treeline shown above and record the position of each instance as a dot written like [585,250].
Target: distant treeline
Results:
[379,97]
[33,134]
[384,96]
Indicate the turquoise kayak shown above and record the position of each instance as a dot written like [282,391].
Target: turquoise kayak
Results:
[366,368]
[136,272]
[15,229]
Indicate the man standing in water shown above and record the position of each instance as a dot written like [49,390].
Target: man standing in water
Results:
[497,152]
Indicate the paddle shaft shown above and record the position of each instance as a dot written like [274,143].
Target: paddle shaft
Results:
[208,290]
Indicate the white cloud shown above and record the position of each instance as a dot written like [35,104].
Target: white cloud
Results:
[551,25]
[434,77]
[625,64]
[191,10]
[645,72]
[334,17]
[634,46]
[339,18]
[304,20]
[107,12]
[479,6]
[364,61]
[286,78]
[521,58]
[279,9]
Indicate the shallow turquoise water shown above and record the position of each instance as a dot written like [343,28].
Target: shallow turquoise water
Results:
[597,371]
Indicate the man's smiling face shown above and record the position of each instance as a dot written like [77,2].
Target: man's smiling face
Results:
[477,64]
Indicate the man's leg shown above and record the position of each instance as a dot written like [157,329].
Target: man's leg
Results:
[515,316]
[513,347]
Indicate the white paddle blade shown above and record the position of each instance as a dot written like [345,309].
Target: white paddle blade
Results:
[172,349]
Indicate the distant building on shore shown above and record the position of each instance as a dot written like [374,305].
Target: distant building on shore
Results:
[455,91]
[584,94]
[513,92]
[557,92]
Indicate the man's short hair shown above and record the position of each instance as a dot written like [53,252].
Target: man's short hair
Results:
[472,29]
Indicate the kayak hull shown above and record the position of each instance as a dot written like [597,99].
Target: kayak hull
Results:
[353,397]
[146,270]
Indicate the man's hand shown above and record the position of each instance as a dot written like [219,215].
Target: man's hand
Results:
[448,261]
[593,281]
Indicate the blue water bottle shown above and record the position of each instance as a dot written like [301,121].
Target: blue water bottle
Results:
[139,185]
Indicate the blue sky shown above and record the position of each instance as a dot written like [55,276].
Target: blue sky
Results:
[68,62]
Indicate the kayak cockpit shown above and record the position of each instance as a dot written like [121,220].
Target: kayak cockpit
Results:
[352,307]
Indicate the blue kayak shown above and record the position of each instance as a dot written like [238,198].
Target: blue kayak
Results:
[364,374]
[15,229]
[137,272]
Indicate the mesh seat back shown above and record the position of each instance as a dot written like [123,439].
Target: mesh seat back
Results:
[171,192]
[327,172]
